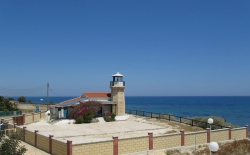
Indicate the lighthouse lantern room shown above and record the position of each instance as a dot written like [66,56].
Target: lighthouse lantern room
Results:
[117,80]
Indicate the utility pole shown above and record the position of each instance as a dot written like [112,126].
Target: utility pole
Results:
[47,96]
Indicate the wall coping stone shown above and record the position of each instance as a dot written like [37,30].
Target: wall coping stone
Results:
[238,128]
[75,144]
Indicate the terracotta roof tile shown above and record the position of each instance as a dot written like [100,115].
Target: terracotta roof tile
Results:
[97,94]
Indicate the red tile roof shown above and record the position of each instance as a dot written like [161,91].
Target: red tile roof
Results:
[65,102]
[96,94]
[84,95]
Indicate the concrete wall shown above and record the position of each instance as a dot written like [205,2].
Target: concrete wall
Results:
[102,148]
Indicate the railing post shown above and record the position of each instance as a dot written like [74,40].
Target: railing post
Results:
[247,135]
[229,132]
[151,115]
[32,116]
[182,137]
[143,113]
[180,119]
[69,147]
[15,127]
[24,128]
[208,135]
[150,135]
[50,143]
[115,145]
[36,137]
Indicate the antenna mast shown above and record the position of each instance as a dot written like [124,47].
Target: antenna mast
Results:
[47,96]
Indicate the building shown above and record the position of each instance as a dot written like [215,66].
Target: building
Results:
[113,101]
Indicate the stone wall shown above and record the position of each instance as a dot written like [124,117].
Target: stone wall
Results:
[30,137]
[200,137]
[36,116]
[43,142]
[28,118]
[126,145]
[167,141]
[238,132]
[102,148]
[219,135]
[131,145]
[59,147]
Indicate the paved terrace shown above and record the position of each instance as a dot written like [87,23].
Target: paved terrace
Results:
[81,133]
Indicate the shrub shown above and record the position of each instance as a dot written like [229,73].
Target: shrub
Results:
[83,107]
[79,120]
[10,146]
[218,122]
[87,117]
[109,117]
[113,116]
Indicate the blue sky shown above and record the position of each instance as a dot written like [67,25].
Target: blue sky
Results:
[163,47]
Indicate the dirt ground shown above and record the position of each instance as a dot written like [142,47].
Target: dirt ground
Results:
[29,108]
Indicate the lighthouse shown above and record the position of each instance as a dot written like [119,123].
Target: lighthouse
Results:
[117,86]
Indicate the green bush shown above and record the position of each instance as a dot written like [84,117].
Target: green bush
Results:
[79,120]
[109,117]
[113,116]
[11,145]
[218,122]
[87,117]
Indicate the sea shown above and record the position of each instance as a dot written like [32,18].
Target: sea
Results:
[234,109]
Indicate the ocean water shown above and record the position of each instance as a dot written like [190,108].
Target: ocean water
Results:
[235,109]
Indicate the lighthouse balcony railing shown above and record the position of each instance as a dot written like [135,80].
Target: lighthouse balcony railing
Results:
[117,83]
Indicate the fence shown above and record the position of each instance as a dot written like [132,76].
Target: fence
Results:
[10,113]
[174,118]
[55,146]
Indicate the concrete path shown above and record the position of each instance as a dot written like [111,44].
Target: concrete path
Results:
[69,130]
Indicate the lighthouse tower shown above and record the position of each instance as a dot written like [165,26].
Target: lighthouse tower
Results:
[117,87]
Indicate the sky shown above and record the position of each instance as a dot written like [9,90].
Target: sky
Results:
[163,47]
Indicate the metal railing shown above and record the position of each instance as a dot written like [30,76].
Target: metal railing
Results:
[170,117]
[10,113]
[117,83]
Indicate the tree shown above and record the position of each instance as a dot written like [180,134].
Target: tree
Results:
[10,145]
[10,99]
[21,99]
[5,105]
[88,106]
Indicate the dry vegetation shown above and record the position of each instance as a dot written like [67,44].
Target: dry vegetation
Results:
[176,126]
[29,108]
[240,147]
